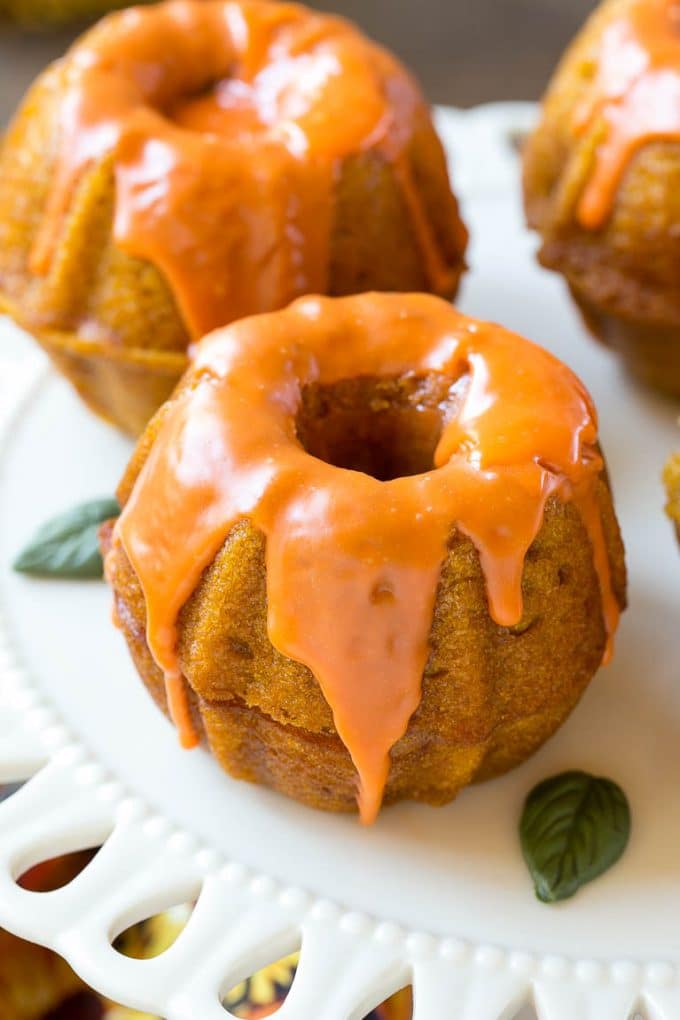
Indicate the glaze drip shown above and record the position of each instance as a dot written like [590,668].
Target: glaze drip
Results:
[353,563]
[635,97]
[226,122]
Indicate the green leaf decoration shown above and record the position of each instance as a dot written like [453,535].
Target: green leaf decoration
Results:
[68,545]
[574,827]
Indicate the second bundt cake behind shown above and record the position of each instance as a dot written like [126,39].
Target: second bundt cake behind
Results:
[602,182]
[196,161]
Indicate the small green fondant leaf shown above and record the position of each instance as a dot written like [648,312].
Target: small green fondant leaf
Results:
[574,827]
[68,545]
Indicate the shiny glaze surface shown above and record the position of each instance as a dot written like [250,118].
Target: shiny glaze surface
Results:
[352,562]
[634,98]
[226,122]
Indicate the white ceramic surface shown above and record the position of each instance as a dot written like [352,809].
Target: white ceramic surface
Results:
[437,896]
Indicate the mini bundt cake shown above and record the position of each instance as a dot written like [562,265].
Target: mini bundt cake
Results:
[196,161]
[602,182]
[368,545]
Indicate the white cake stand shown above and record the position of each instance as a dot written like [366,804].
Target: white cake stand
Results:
[439,898]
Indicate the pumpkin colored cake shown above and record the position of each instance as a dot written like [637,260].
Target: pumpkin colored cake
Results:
[602,182]
[368,550]
[196,161]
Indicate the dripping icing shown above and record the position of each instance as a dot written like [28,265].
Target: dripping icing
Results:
[634,98]
[225,122]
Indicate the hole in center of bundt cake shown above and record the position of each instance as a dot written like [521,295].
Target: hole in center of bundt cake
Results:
[386,427]
[228,107]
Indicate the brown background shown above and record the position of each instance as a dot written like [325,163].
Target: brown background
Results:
[464,51]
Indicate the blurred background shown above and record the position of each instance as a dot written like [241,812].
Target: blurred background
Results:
[464,51]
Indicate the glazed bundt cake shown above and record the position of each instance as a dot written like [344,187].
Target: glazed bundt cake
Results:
[602,182]
[193,162]
[368,544]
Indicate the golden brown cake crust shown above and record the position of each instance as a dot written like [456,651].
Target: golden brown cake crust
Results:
[671,477]
[491,695]
[624,275]
[110,321]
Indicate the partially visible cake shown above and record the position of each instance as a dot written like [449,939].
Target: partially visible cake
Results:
[671,477]
[193,162]
[602,182]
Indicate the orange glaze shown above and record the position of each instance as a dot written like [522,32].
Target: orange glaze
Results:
[352,562]
[636,92]
[227,121]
